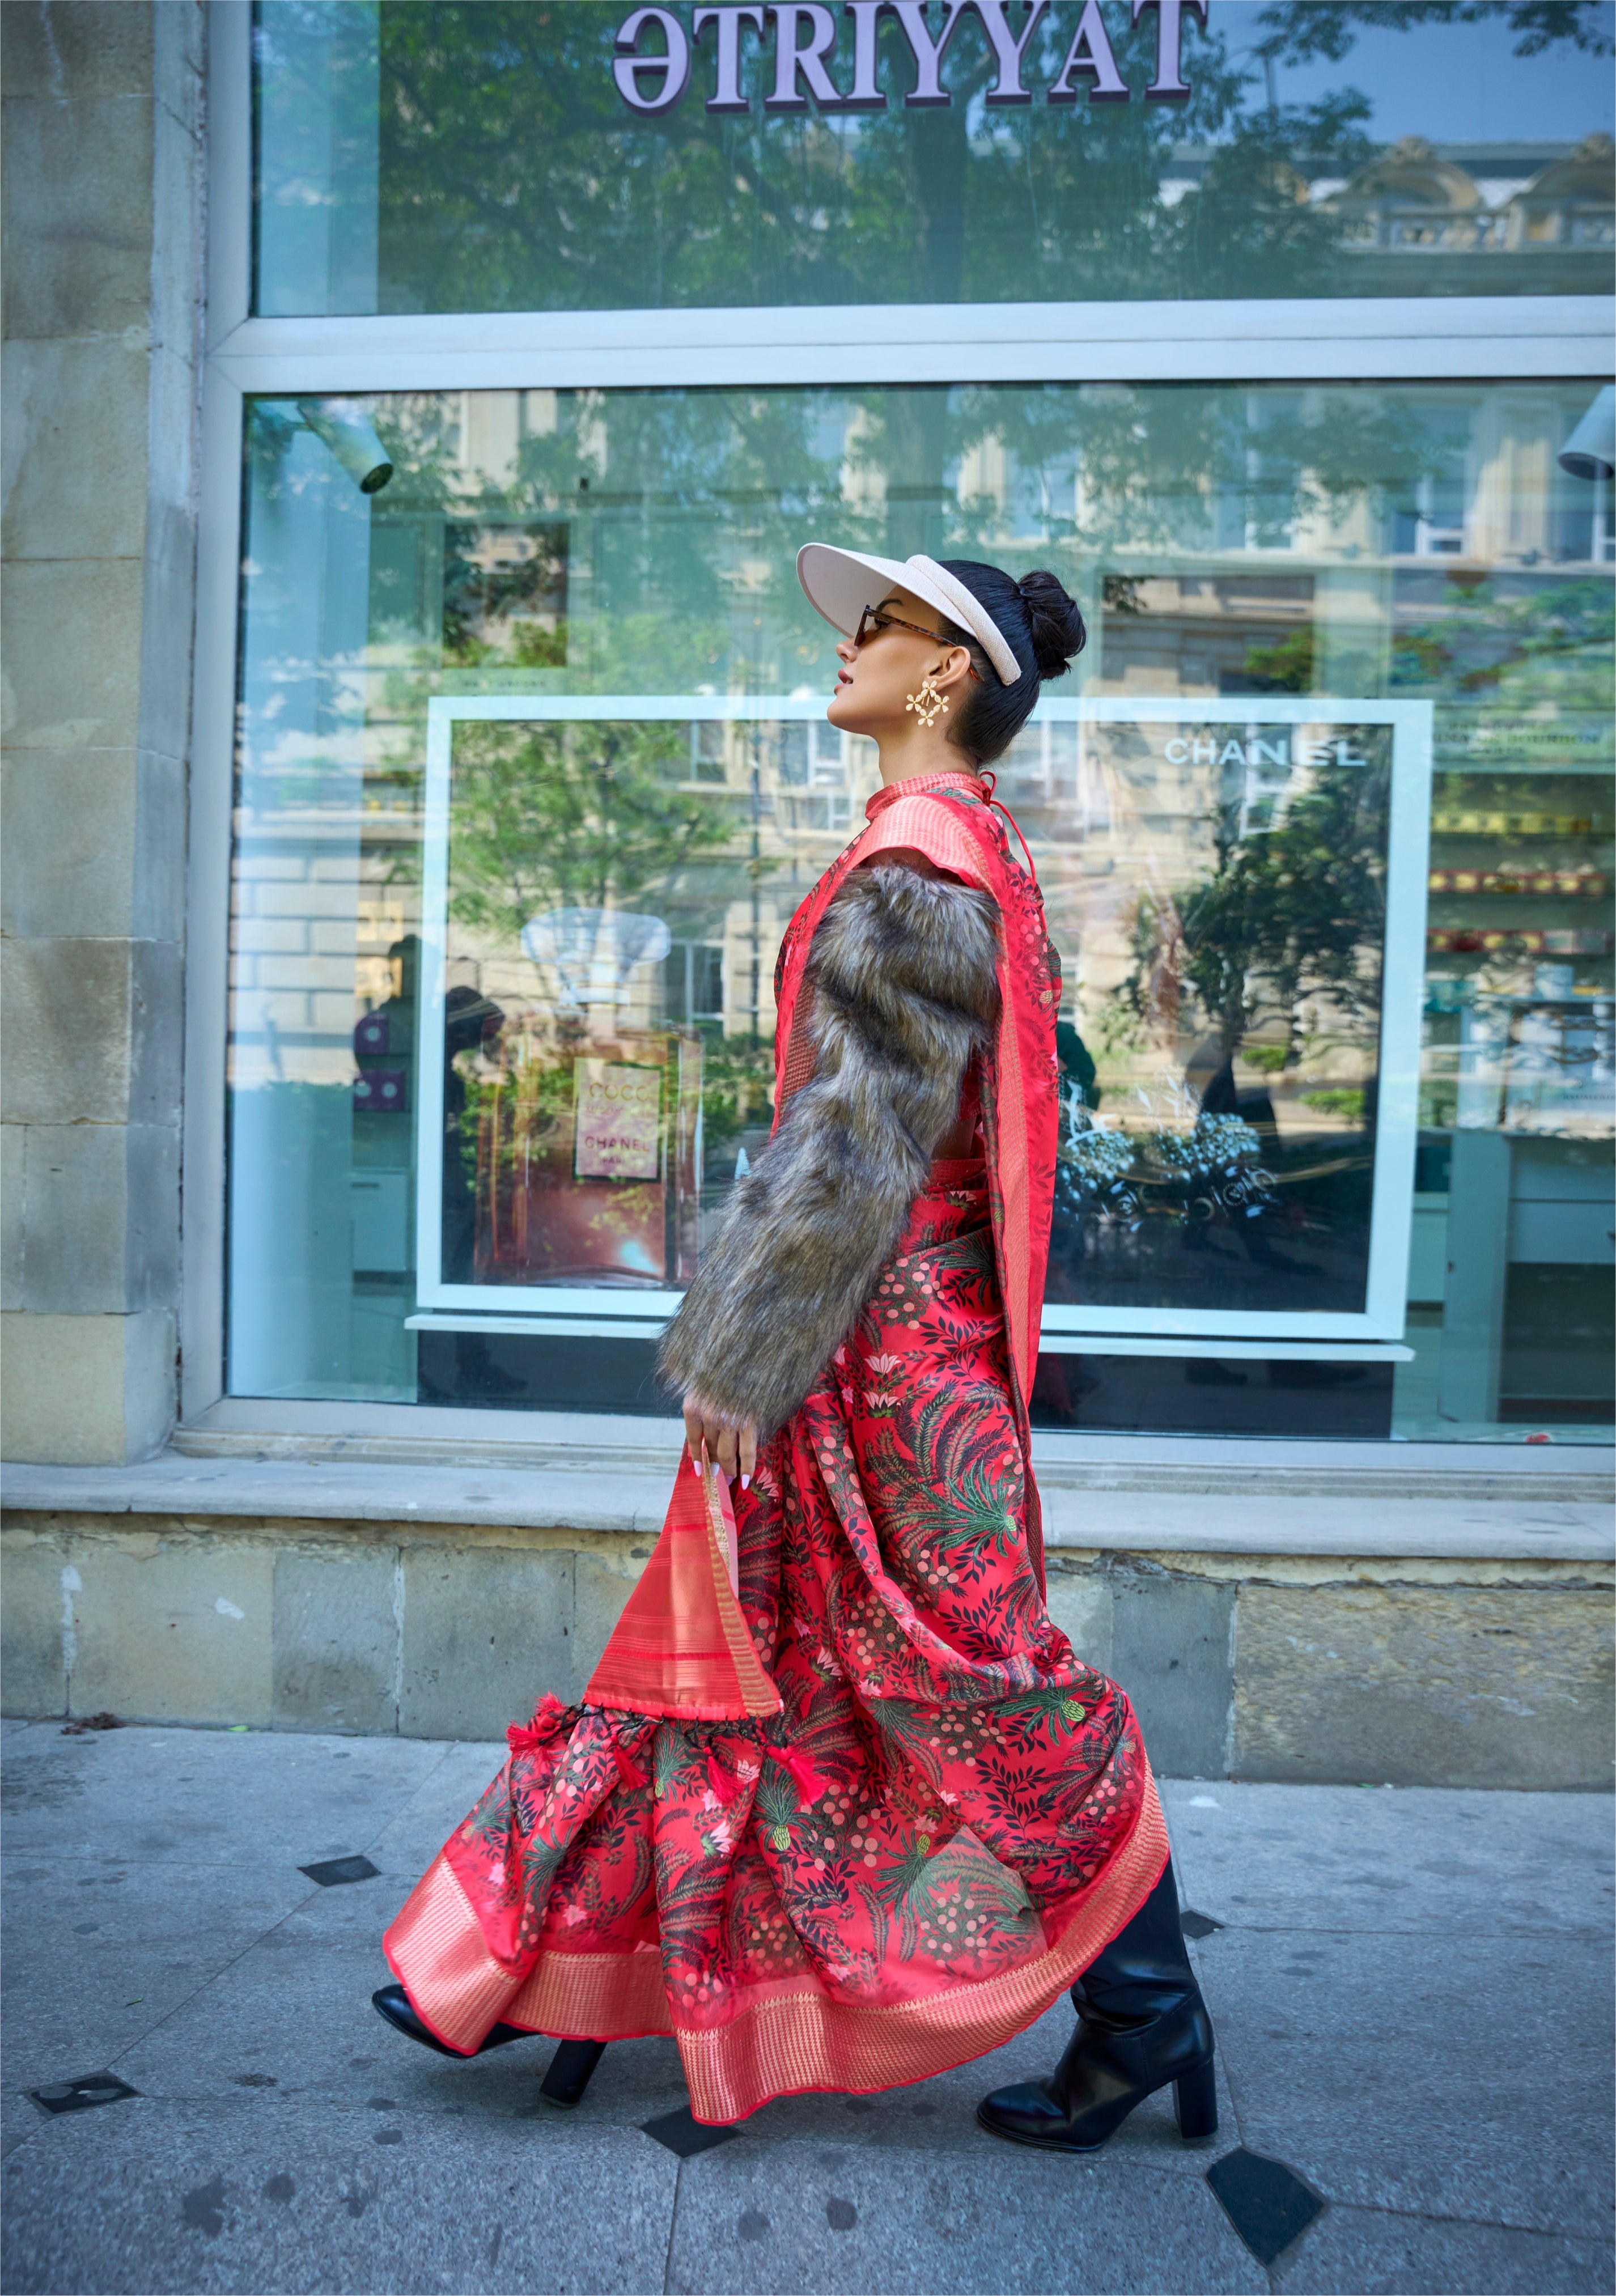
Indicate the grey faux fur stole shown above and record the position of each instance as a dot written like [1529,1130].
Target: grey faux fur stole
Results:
[903,976]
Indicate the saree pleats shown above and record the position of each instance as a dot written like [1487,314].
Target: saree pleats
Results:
[948,1816]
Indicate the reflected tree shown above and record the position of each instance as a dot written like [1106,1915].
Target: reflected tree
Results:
[1289,914]
[1554,645]
[513,178]
[568,815]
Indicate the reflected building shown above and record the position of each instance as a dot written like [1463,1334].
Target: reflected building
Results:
[520,400]
[1252,550]
[1505,219]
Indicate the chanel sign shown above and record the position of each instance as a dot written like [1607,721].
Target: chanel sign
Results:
[653,60]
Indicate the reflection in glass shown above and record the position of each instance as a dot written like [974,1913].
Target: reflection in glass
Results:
[425,155]
[1240,553]
[574,1120]
[1222,1067]
[1229,939]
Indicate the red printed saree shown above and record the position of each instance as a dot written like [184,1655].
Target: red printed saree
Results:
[841,1808]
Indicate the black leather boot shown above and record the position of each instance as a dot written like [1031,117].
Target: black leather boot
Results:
[1140,2023]
[570,2070]
[393,2003]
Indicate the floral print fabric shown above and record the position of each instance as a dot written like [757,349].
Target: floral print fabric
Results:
[946,1782]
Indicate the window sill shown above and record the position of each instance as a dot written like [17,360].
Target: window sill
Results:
[1090,1504]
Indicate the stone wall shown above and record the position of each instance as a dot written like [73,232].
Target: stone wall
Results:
[1310,1669]
[103,206]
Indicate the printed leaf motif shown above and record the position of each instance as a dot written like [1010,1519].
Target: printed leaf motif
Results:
[959,1780]
[1053,1708]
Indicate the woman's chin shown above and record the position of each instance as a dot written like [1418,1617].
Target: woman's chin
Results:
[844,712]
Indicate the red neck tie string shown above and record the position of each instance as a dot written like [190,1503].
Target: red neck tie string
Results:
[990,779]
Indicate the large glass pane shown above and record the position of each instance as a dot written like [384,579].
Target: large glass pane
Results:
[318,121]
[1239,873]
[534,770]
[1228,924]
[433,155]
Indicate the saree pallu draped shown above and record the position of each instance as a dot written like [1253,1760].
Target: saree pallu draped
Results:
[841,1809]
[947,1819]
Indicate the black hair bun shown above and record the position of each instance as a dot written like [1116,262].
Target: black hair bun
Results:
[1057,626]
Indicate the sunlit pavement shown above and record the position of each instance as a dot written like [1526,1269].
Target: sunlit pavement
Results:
[1411,1989]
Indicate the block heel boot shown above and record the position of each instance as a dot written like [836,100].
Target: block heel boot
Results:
[1140,2024]
[569,2071]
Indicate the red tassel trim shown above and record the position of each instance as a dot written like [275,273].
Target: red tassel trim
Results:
[719,1779]
[811,1783]
[549,1716]
[627,1769]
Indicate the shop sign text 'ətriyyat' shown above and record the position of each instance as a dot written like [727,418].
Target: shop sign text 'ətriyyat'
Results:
[653,77]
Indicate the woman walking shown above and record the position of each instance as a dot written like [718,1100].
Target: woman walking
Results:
[841,1808]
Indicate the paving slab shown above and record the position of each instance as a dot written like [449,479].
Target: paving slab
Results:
[410,1841]
[347,1912]
[285,2139]
[774,2220]
[294,2013]
[211,1796]
[19,2116]
[1370,2254]
[151,2195]
[1436,2076]
[1454,1861]
[98,1955]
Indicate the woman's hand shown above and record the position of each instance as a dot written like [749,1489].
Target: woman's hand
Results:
[730,1448]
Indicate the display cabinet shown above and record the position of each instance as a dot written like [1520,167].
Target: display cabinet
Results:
[1520,1089]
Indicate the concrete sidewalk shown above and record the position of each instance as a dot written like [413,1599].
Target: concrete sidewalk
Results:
[1411,1990]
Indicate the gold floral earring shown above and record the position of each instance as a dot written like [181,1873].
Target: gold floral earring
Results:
[927,703]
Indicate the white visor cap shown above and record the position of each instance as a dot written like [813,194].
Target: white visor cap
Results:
[841,584]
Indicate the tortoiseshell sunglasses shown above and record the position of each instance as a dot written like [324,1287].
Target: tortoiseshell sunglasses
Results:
[872,619]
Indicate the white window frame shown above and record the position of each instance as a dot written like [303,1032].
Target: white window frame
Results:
[446,1306]
[1417,338]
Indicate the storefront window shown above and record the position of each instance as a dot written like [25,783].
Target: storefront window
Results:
[533,770]
[429,155]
